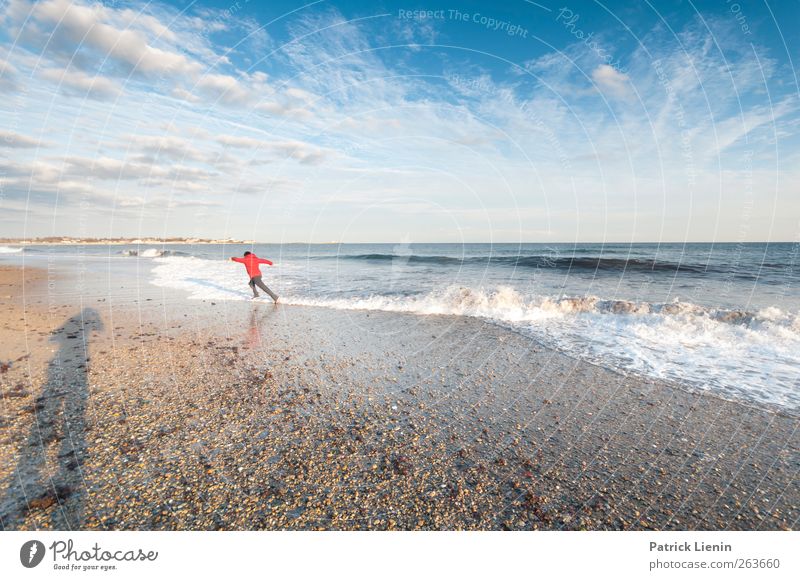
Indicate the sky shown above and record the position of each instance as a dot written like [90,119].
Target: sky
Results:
[514,121]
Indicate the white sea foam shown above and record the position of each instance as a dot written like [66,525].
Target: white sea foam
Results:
[9,250]
[202,279]
[737,354]
[148,253]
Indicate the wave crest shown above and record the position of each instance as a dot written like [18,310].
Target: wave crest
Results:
[579,263]
[152,253]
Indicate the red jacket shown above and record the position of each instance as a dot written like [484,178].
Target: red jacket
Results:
[251,263]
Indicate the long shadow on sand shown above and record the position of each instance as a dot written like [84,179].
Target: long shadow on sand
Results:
[48,475]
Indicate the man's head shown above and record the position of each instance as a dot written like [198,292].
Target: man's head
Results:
[247,253]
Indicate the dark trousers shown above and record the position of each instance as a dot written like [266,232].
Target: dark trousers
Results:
[256,281]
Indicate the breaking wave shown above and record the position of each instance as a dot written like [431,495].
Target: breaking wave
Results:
[740,354]
[152,253]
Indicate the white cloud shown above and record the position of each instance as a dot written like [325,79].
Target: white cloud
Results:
[106,168]
[104,42]
[298,150]
[244,142]
[611,81]
[8,77]
[152,24]
[170,147]
[81,84]
[185,95]
[85,24]
[224,88]
[282,110]
[13,140]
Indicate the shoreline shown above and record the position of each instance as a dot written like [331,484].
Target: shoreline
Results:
[266,419]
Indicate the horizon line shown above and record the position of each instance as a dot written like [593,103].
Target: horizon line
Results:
[338,243]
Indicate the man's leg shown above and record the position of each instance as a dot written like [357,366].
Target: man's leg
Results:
[252,285]
[260,284]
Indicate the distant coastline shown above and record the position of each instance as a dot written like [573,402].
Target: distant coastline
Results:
[69,241]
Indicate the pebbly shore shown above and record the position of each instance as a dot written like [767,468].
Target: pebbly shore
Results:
[205,416]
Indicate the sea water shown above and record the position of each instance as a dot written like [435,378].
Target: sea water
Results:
[718,317]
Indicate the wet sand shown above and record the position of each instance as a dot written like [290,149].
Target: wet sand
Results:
[202,415]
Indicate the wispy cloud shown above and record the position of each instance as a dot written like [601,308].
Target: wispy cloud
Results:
[14,140]
[80,84]
[155,103]
[8,77]
[611,81]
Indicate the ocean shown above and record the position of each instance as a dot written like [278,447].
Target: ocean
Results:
[723,318]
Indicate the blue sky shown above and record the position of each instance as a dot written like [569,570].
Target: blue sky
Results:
[401,122]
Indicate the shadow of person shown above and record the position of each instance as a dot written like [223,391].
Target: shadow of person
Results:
[48,480]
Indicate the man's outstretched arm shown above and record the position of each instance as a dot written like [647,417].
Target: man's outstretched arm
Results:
[240,260]
[263,261]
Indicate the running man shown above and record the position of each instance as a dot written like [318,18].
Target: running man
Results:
[251,262]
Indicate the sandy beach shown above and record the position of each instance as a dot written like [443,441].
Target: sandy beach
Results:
[237,416]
